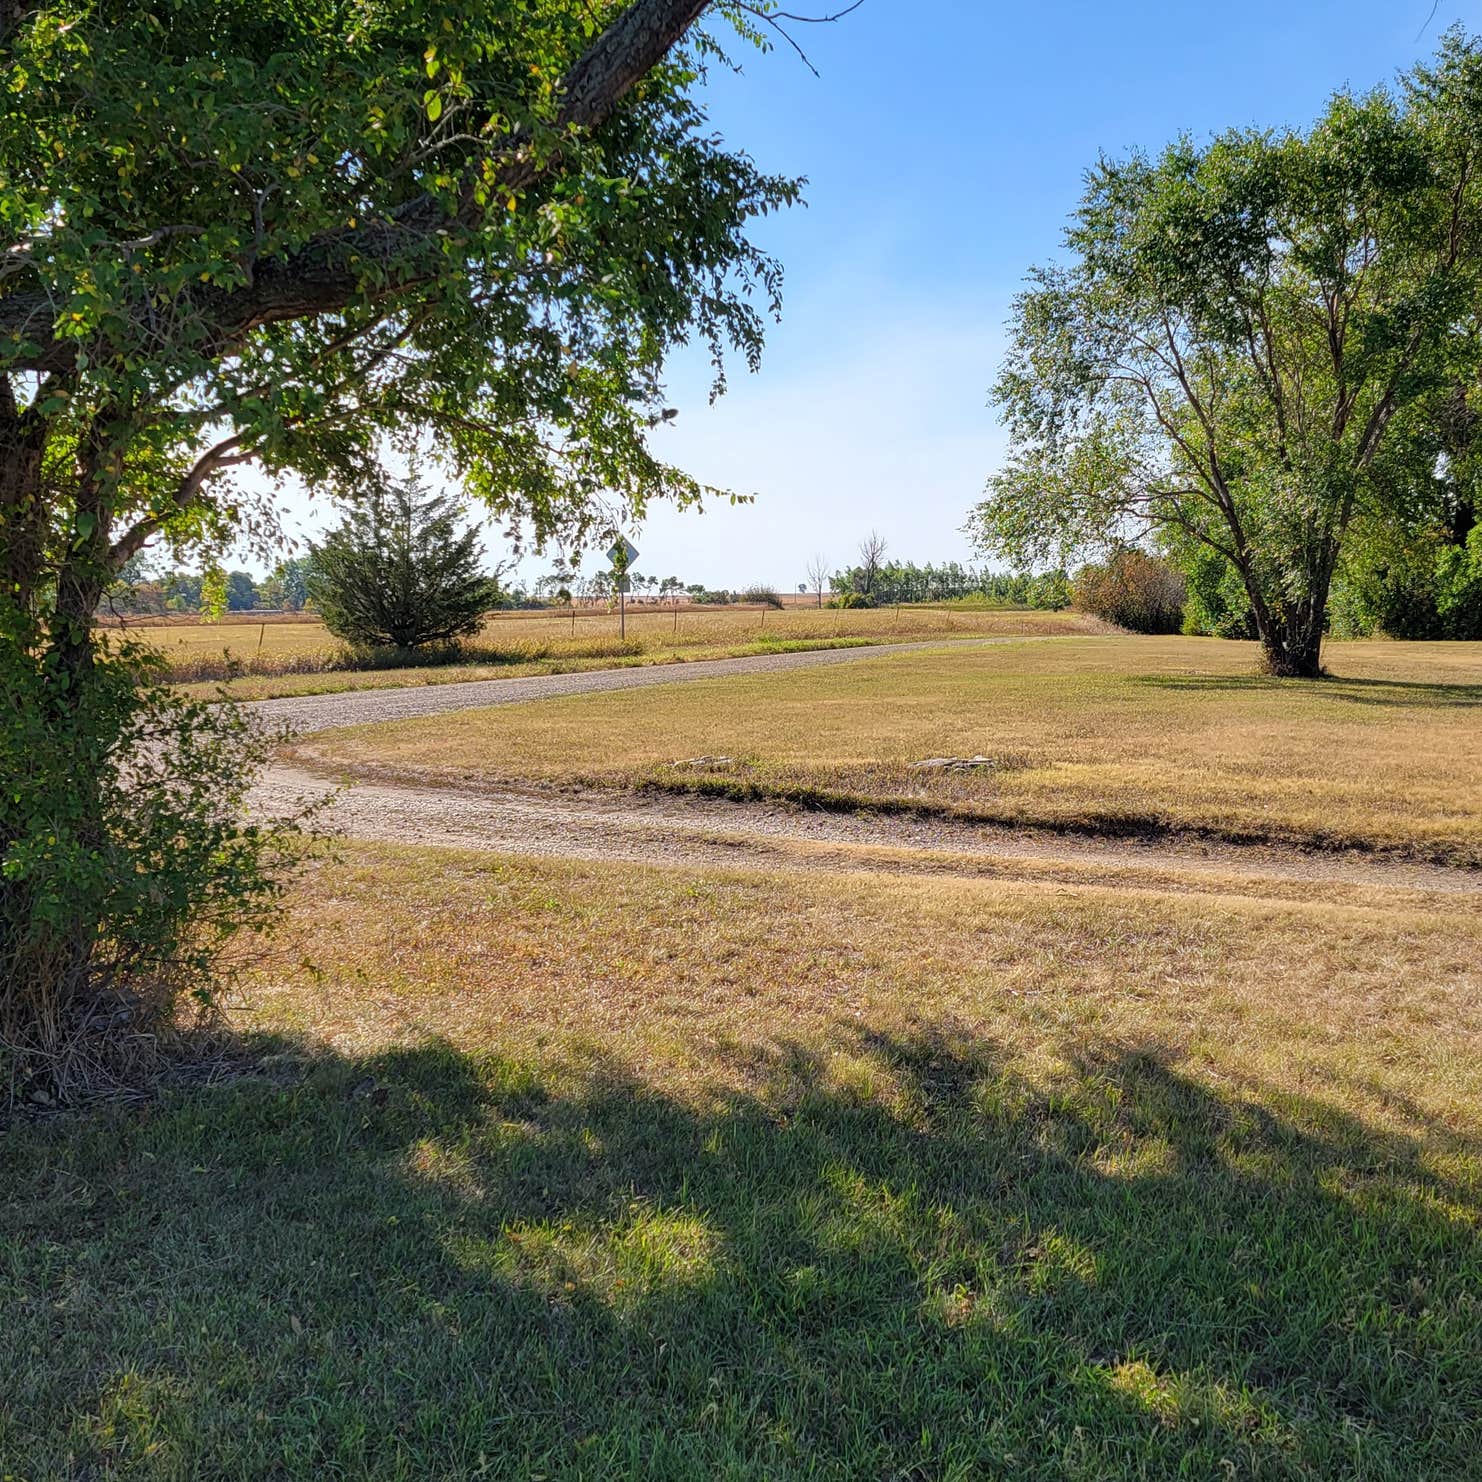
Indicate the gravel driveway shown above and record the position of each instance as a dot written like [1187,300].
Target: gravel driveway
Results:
[659,829]
[671,830]
[305,713]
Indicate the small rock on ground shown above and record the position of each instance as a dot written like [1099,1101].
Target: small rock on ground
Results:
[954,764]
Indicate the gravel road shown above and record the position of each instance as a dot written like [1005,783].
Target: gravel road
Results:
[305,713]
[665,830]
[672,830]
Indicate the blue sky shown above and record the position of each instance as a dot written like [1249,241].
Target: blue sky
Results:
[944,145]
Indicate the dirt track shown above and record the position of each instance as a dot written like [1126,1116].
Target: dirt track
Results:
[306,713]
[668,830]
[656,829]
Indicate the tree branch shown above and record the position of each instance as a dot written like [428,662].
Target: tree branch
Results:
[328,273]
[224,454]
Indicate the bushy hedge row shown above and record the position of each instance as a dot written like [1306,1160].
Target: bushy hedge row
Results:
[126,863]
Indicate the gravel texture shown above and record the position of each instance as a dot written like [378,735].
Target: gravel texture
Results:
[661,829]
[668,830]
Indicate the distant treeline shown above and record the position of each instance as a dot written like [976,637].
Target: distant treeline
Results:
[905,581]
[141,591]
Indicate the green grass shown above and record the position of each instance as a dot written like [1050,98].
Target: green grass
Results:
[594,1171]
[1102,734]
[504,1271]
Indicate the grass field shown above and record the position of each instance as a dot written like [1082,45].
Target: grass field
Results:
[897,1169]
[260,660]
[599,1171]
[1109,734]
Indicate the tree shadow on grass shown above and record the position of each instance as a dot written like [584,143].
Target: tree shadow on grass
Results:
[1392,693]
[910,1261]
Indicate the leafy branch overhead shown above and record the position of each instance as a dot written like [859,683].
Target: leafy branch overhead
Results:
[295,234]
[237,233]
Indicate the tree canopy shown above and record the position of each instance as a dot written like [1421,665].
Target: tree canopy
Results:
[299,234]
[1245,349]
[286,233]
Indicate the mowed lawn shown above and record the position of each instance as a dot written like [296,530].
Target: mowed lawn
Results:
[1112,734]
[519,1168]
[599,1171]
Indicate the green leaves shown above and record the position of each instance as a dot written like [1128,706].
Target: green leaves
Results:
[124,861]
[166,160]
[398,573]
[1241,347]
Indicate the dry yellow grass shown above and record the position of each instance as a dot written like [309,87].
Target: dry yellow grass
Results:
[594,1170]
[1107,733]
[709,980]
[273,657]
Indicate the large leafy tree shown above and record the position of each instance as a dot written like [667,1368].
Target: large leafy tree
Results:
[276,233]
[283,234]
[1244,349]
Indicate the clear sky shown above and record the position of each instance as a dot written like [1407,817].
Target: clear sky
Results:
[944,144]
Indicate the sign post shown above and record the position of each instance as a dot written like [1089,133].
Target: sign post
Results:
[622,555]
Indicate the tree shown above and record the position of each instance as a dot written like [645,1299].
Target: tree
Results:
[1134,590]
[1242,351]
[818,574]
[241,591]
[871,554]
[287,586]
[136,589]
[288,236]
[432,189]
[556,585]
[399,574]
[182,591]
[1419,577]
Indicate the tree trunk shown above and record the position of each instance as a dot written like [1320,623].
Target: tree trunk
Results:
[46,967]
[1291,633]
[1291,643]
[1293,654]
[22,502]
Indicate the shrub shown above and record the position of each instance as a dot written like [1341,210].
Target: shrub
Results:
[851,599]
[1217,604]
[1048,592]
[763,596]
[398,574]
[125,865]
[1422,588]
[1133,590]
